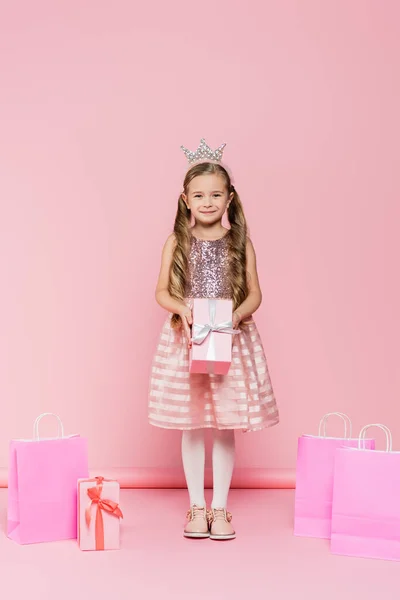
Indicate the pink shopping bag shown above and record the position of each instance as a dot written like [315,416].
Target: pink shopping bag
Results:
[314,478]
[366,501]
[42,486]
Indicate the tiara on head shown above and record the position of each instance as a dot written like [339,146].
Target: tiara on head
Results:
[204,153]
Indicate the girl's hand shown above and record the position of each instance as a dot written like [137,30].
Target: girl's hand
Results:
[187,320]
[236,318]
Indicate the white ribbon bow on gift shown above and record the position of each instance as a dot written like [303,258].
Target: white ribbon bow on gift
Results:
[201,332]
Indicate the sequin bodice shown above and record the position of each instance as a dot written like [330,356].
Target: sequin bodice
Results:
[208,275]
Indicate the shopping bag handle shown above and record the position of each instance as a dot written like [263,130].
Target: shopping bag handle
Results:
[346,420]
[388,434]
[40,417]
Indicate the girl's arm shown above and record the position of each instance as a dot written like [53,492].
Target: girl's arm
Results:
[163,296]
[254,297]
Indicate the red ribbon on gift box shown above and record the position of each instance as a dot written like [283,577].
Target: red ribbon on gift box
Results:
[108,506]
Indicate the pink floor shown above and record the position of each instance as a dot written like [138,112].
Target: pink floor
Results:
[265,561]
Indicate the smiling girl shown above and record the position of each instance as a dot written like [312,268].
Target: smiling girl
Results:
[207,260]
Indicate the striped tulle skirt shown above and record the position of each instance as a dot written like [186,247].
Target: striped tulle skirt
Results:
[242,399]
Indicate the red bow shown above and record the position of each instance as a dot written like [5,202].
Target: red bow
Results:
[108,506]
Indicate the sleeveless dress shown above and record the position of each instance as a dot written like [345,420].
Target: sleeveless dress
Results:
[242,399]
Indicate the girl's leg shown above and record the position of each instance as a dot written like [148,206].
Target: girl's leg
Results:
[223,457]
[223,460]
[193,459]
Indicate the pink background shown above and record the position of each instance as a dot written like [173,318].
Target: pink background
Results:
[96,98]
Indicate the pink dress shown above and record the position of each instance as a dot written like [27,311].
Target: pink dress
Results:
[242,399]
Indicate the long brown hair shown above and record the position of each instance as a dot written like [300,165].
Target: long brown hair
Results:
[237,239]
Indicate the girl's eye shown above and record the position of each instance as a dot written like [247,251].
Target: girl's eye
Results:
[217,195]
[197,196]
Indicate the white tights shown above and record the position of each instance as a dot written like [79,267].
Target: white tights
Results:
[223,458]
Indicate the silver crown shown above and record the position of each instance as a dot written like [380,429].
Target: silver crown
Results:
[204,152]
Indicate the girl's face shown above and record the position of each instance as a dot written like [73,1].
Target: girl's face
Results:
[208,198]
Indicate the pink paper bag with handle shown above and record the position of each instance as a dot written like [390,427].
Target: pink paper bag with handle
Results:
[366,501]
[314,478]
[42,496]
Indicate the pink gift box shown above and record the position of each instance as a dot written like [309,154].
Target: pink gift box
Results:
[212,333]
[99,514]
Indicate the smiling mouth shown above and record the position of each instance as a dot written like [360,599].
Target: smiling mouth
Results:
[211,212]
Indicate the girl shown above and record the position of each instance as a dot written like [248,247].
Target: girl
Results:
[207,260]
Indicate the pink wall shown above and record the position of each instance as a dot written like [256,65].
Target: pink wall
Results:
[96,99]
